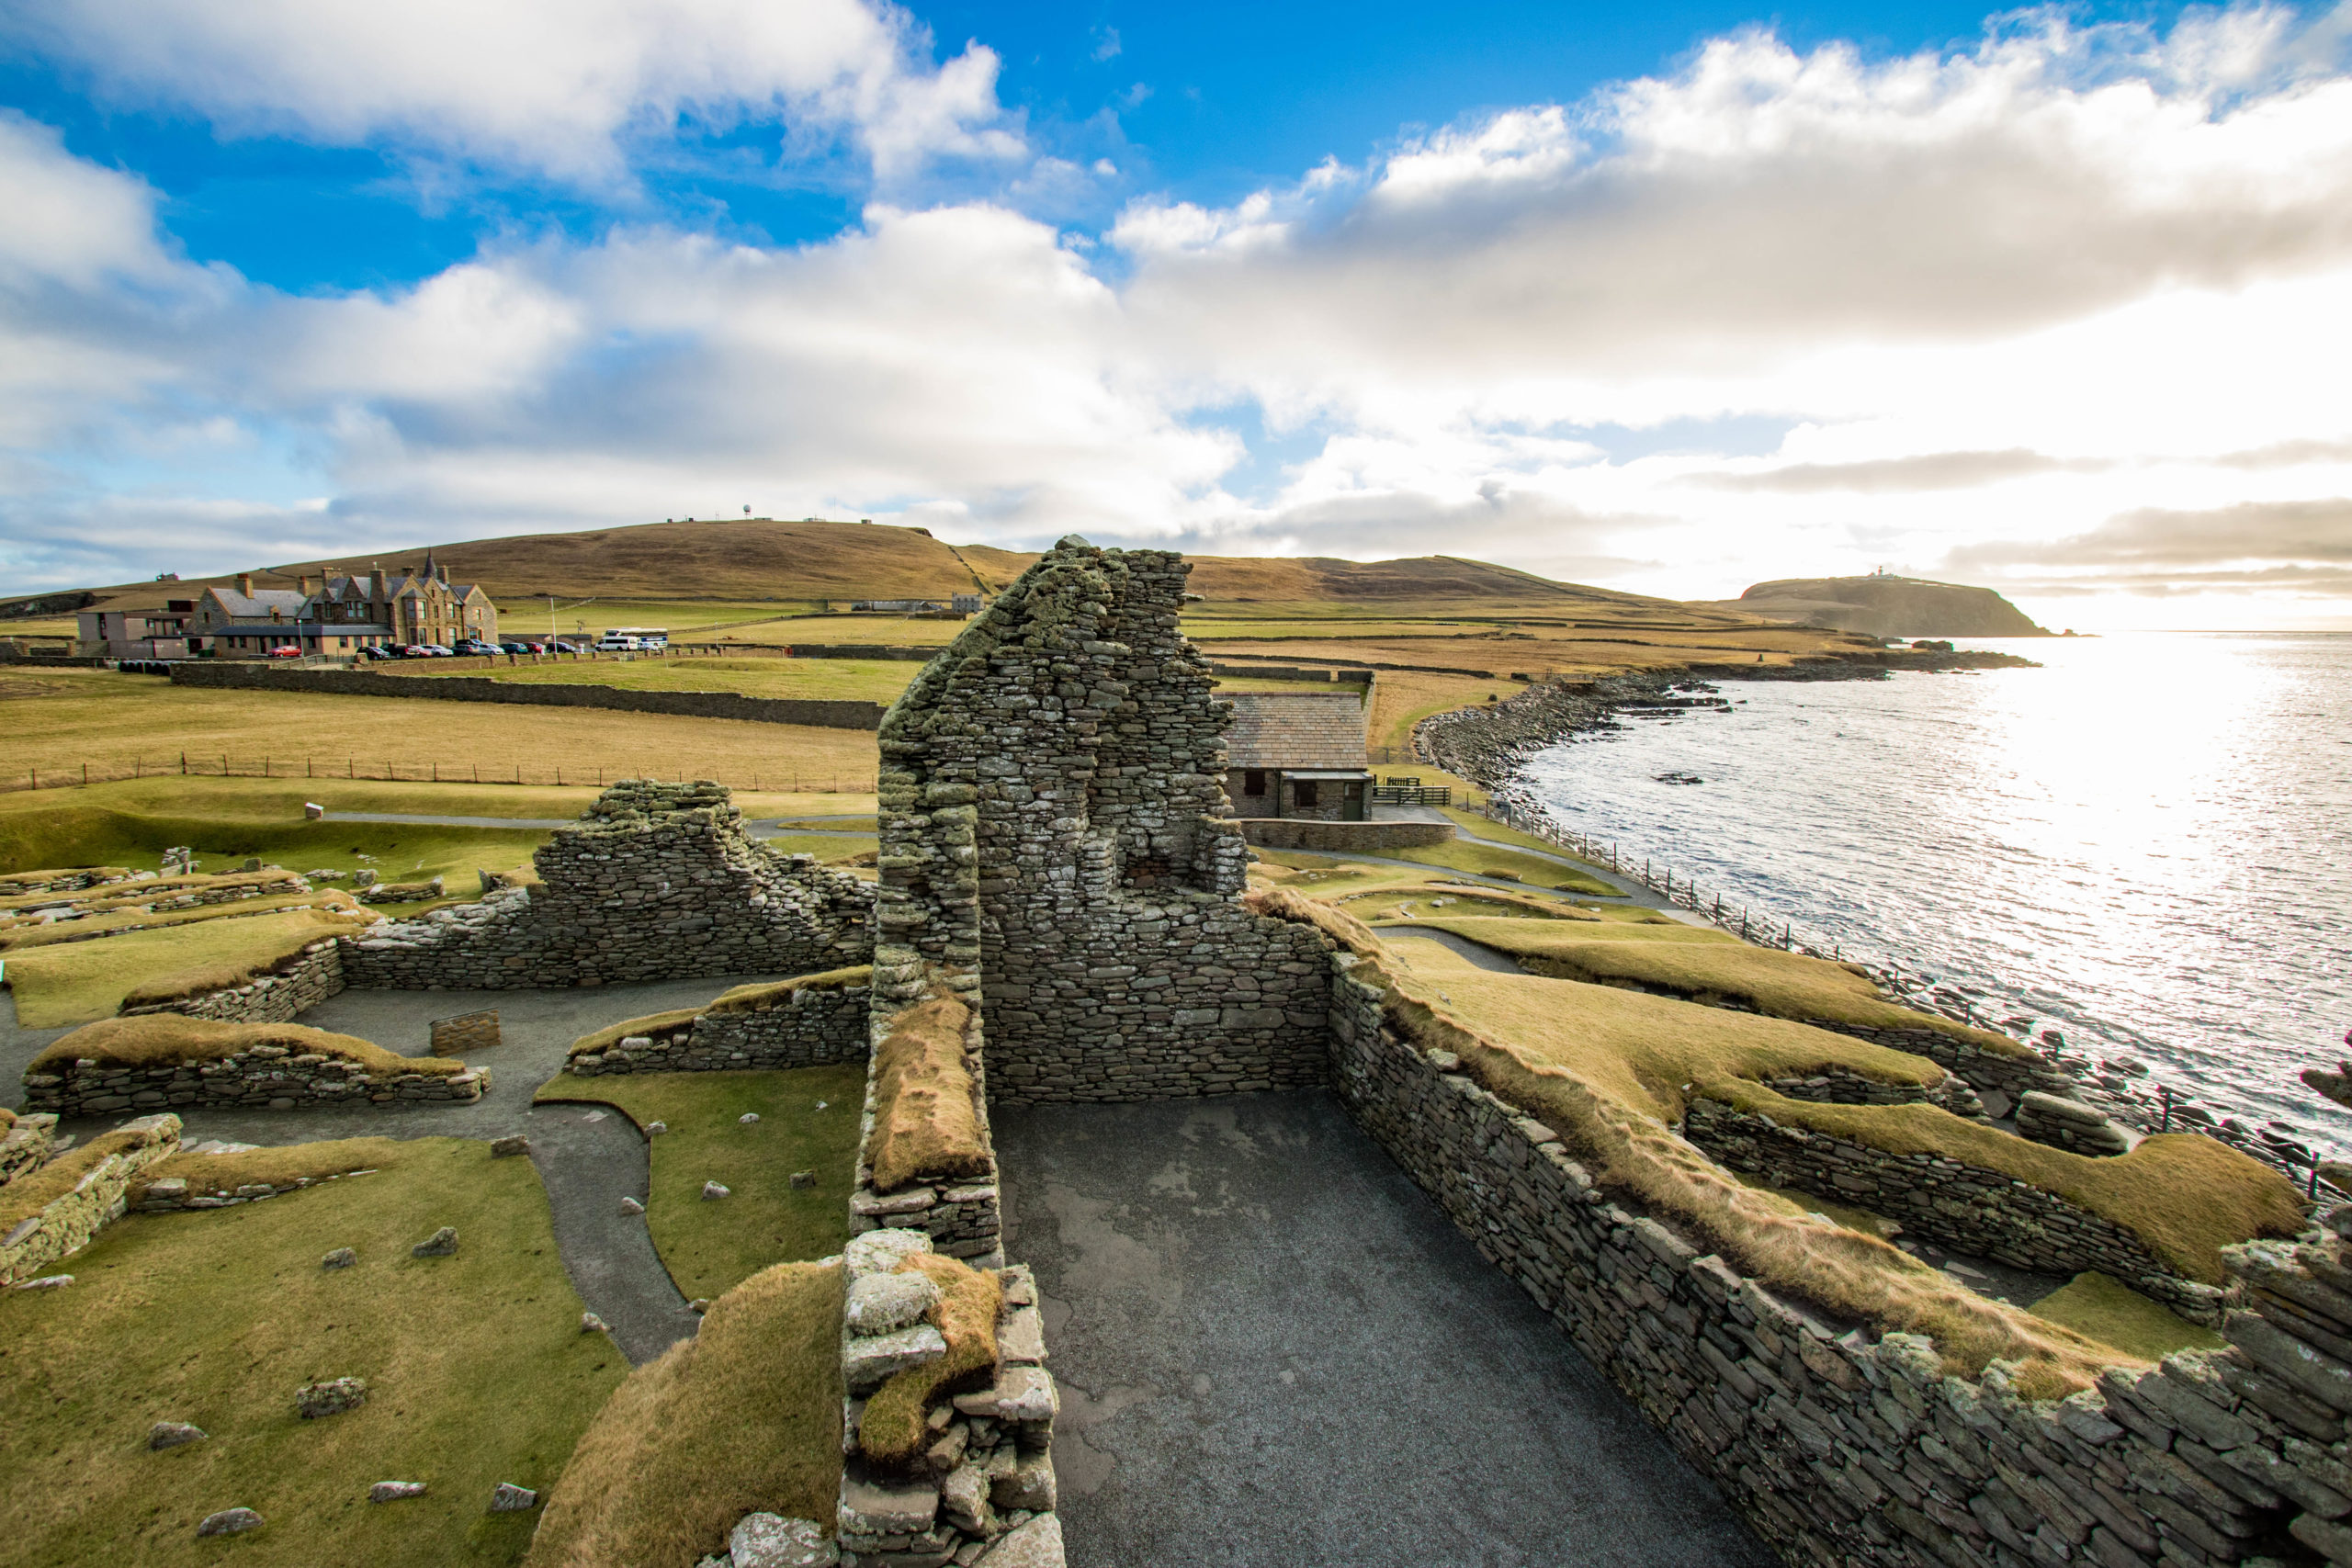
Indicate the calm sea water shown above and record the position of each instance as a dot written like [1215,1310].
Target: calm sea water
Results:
[2146,844]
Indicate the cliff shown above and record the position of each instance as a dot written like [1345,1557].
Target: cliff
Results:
[1887,607]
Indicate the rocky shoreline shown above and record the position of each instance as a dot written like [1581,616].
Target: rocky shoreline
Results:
[1488,745]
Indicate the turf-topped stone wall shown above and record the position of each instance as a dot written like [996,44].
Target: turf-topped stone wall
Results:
[1055,834]
[656,882]
[977,1482]
[796,1024]
[1839,1085]
[25,1143]
[70,879]
[153,1063]
[1841,1448]
[1958,1204]
[294,987]
[1342,838]
[925,1128]
[54,1211]
[2012,1074]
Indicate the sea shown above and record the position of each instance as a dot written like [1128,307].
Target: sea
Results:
[2145,843]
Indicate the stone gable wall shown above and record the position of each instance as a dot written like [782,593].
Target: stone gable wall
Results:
[657,882]
[1055,835]
[1844,1450]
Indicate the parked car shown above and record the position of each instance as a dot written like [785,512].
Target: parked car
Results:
[612,643]
[474,648]
[287,651]
[563,646]
[518,649]
[380,650]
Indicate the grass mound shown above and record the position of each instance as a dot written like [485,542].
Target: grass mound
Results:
[924,1123]
[35,1190]
[745,1416]
[1537,1055]
[280,1167]
[1715,971]
[168,1039]
[710,1247]
[892,1429]
[2115,1314]
[477,1370]
[76,982]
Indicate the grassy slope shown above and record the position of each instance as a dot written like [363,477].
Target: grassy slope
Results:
[1487,859]
[2183,1195]
[711,1246]
[745,1416]
[2115,1314]
[1720,968]
[107,720]
[477,1370]
[83,981]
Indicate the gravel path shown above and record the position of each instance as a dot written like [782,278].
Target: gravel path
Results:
[589,1157]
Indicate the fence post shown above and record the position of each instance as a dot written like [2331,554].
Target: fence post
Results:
[182,764]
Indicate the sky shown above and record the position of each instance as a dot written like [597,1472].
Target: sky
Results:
[1672,299]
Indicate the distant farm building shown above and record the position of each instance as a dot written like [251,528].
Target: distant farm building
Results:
[1298,755]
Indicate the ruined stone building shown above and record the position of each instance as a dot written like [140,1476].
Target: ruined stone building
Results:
[1055,837]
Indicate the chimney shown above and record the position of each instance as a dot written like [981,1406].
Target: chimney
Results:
[304,582]
[245,582]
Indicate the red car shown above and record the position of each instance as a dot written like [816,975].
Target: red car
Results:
[286,651]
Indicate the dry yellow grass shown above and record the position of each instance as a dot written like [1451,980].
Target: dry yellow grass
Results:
[1721,969]
[113,722]
[892,1431]
[745,1416]
[924,1123]
[1629,1146]
[168,1039]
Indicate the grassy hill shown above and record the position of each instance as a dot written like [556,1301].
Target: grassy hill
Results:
[759,563]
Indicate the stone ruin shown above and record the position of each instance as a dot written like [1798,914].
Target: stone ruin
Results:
[1056,838]
[656,882]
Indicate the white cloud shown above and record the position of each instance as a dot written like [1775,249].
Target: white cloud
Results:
[2064,312]
[557,86]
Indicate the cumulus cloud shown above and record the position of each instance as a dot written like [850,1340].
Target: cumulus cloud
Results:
[2081,289]
[555,86]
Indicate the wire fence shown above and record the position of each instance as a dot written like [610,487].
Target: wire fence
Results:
[192,765]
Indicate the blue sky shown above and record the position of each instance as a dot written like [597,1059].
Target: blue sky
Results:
[1672,297]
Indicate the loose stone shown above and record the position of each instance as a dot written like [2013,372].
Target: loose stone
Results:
[393,1490]
[341,1258]
[511,1499]
[172,1434]
[440,1244]
[229,1521]
[332,1397]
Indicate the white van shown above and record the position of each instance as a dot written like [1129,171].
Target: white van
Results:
[634,639]
[617,642]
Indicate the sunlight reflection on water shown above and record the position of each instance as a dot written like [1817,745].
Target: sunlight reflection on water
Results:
[2148,842]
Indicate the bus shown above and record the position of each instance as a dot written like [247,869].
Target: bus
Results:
[633,640]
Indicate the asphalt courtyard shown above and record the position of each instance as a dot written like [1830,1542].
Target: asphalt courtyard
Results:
[1273,1348]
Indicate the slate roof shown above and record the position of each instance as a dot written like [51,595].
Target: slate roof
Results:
[1289,730]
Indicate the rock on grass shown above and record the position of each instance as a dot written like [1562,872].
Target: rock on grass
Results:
[229,1521]
[329,1398]
[172,1434]
[440,1244]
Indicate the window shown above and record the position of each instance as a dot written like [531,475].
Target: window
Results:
[1307,792]
[1253,781]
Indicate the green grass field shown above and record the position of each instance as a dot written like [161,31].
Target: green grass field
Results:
[2114,1313]
[868,679]
[476,1367]
[526,620]
[711,1246]
[1491,859]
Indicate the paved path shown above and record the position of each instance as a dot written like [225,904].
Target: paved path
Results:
[589,1157]
[1274,1349]
[1401,937]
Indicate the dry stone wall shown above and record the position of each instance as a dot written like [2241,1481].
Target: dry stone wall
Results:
[803,1027]
[66,1222]
[25,1144]
[1055,837]
[961,1216]
[2013,1075]
[817,713]
[656,882]
[302,981]
[259,1077]
[1845,1449]
[1342,838]
[1961,1205]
